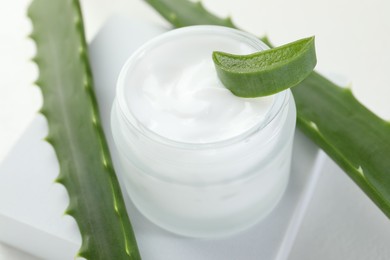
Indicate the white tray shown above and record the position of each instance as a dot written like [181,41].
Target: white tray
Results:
[32,206]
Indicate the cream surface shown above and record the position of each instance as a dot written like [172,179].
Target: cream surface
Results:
[175,92]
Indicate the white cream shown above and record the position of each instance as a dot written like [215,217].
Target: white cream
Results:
[179,96]
[194,106]
[195,159]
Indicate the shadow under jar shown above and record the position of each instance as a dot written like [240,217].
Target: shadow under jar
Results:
[195,159]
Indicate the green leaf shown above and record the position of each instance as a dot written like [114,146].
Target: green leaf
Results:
[186,13]
[266,72]
[356,139]
[69,104]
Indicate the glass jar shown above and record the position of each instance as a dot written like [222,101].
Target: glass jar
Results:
[209,189]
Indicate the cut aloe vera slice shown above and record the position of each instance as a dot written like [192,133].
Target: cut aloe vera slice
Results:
[266,72]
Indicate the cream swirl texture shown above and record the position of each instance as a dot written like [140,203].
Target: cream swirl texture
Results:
[183,99]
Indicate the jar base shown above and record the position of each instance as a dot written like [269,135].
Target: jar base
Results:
[209,231]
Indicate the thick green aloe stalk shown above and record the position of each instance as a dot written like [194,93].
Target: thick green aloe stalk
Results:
[355,138]
[76,134]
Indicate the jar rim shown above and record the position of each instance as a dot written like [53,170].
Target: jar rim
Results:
[279,101]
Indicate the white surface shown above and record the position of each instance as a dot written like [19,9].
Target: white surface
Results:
[342,223]
[352,39]
[32,205]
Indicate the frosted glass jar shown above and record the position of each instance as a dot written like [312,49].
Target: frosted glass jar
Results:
[206,189]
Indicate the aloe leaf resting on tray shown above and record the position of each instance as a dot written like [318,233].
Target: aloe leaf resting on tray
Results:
[354,137]
[75,132]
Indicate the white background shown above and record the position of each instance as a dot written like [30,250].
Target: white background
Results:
[352,40]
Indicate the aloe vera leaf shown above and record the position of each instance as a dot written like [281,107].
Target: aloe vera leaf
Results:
[355,138]
[75,132]
[181,13]
[186,13]
[266,72]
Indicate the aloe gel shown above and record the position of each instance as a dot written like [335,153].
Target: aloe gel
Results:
[184,166]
